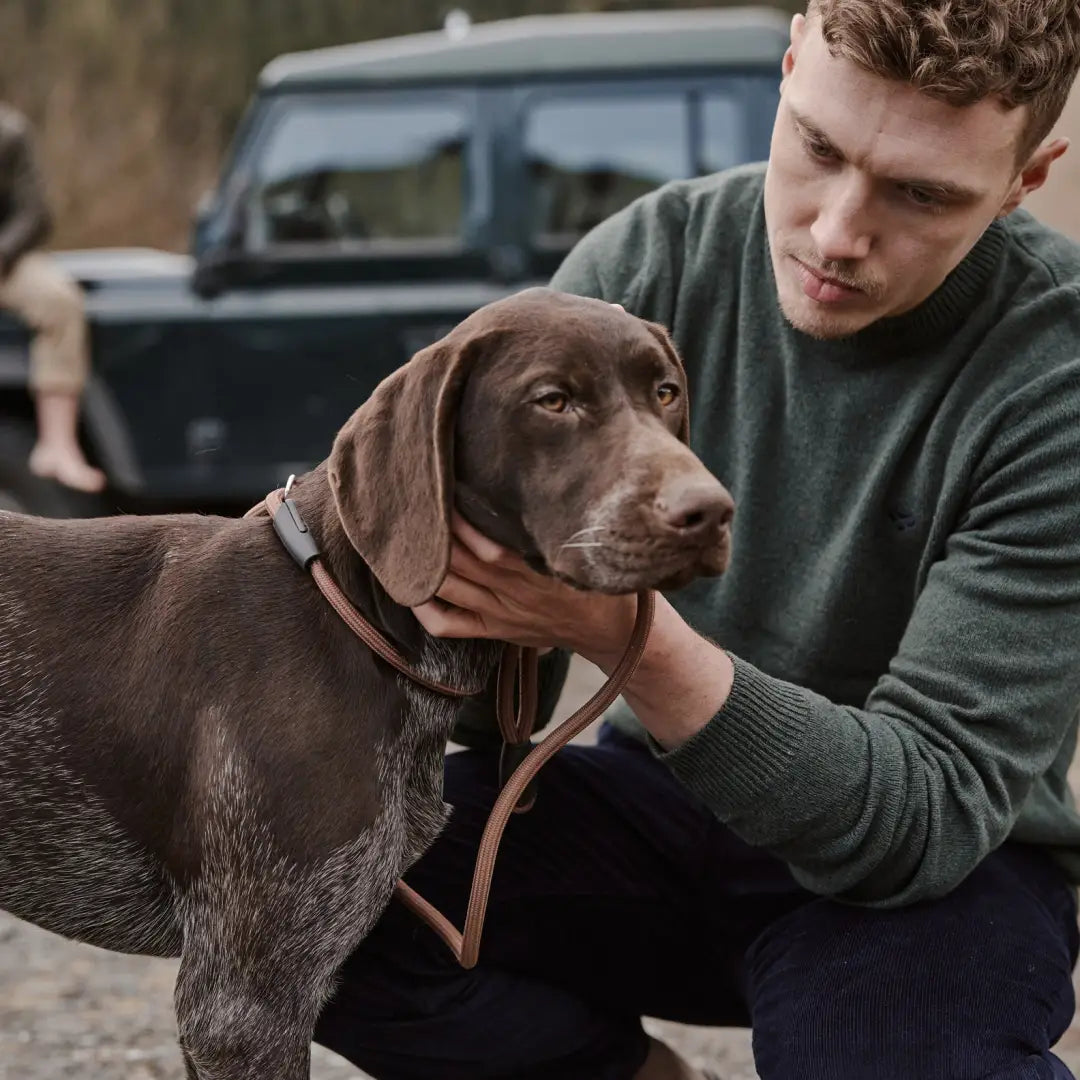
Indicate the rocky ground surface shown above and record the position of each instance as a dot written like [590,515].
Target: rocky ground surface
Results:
[71,1012]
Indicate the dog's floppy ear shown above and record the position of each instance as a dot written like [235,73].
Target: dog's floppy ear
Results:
[391,469]
[662,336]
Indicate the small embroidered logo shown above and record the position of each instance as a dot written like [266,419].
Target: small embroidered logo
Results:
[902,520]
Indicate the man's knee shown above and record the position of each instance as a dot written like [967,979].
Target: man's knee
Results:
[977,985]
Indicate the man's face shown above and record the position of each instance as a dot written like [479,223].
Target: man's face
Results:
[876,191]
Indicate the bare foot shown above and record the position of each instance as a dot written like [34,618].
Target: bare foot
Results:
[67,467]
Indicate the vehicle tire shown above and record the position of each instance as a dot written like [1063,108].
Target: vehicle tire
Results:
[25,493]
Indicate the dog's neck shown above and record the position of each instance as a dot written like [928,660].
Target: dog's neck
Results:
[353,576]
[313,498]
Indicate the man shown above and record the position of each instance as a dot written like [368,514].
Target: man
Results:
[39,292]
[849,825]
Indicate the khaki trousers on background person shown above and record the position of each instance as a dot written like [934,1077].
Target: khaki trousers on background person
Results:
[39,292]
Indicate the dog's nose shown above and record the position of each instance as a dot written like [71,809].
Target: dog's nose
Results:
[697,506]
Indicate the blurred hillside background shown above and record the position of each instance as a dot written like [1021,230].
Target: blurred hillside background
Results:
[135,100]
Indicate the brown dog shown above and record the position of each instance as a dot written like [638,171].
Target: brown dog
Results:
[198,758]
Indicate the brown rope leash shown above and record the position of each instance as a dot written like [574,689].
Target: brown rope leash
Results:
[515,725]
[466,946]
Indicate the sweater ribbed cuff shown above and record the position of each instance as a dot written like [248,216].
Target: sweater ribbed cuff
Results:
[747,748]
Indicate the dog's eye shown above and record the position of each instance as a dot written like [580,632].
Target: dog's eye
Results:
[667,393]
[556,401]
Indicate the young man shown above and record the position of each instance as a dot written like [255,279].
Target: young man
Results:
[38,291]
[850,825]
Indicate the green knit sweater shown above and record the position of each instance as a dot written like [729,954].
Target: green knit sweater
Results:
[903,604]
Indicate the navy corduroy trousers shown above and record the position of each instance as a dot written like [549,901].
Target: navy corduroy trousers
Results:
[619,896]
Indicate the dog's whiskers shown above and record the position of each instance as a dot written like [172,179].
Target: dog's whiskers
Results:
[574,540]
[582,532]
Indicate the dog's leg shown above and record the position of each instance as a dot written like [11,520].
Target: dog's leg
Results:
[244,1025]
[252,983]
[262,946]
[189,1066]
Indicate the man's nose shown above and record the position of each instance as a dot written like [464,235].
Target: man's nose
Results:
[841,231]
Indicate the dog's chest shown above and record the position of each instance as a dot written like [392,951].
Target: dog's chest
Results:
[463,664]
[425,731]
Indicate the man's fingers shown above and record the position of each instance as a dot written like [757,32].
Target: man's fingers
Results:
[505,574]
[485,550]
[443,621]
[462,593]
[465,564]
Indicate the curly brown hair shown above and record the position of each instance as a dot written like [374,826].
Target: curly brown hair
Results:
[1023,52]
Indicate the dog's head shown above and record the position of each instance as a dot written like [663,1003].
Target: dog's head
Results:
[558,426]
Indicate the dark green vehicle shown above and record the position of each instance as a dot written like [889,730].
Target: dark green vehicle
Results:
[374,195]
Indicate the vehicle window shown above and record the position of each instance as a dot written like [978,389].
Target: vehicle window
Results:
[388,175]
[723,133]
[590,156]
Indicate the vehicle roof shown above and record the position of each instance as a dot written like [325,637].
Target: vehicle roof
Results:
[545,45]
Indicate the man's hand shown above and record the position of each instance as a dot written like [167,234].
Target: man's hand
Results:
[490,592]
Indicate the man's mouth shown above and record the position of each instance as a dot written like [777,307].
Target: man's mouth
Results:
[822,288]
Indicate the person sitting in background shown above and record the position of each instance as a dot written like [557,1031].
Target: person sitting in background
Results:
[39,292]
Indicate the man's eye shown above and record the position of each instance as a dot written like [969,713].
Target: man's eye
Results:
[666,393]
[819,149]
[556,402]
[922,197]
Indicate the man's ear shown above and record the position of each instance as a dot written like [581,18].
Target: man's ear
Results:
[791,54]
[1033,175]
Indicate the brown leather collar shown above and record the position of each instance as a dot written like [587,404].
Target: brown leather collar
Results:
[294,534]
[520,760]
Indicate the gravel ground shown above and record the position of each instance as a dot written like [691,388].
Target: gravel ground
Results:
[70,1011]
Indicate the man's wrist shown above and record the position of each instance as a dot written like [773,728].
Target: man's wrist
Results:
[682,681]
[606,649]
